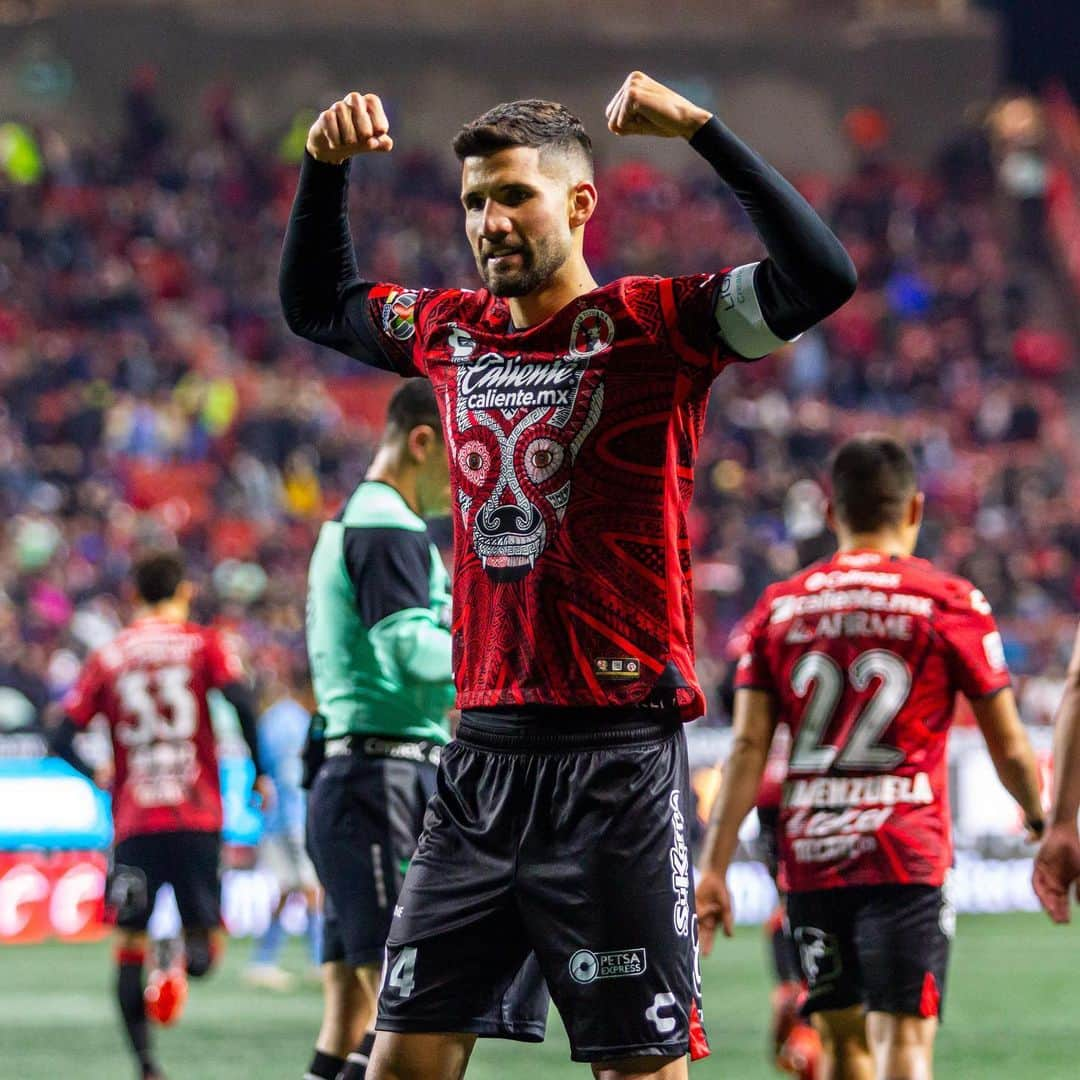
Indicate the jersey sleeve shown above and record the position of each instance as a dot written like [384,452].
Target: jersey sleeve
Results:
[84,700]
[223,664]
[752,672]
[391,318]
[390,571]
[976,652]
[713,319]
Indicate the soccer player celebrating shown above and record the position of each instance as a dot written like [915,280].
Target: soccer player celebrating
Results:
[151,683]
[862,656]
[1057,865]
[572,413]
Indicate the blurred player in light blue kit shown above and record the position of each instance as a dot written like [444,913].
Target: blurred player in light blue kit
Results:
[282,730]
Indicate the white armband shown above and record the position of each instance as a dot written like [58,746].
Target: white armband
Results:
[739,318]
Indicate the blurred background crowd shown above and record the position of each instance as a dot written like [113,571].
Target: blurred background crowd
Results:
[152,394]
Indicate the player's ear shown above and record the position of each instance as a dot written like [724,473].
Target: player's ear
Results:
[830,516]
[421,439]
[915,508]
[583,199]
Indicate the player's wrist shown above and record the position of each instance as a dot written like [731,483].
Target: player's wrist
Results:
[1035,825]
[1061,824]
[318,156]
[696,119]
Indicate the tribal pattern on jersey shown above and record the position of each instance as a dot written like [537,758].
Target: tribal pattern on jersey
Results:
[514,434]
[150,683]
[864,655]
[571,446]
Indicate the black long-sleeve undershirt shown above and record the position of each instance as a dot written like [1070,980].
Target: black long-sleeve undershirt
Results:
[61,740]
[321,292]
[806,276]
[243,701]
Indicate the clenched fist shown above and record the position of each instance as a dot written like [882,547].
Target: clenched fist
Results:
[355,125]
[643,106]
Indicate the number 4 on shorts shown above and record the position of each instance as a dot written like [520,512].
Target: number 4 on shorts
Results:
[403,974]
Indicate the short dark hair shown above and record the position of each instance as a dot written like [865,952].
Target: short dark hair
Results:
[873,477]
[413,404]
[158,575]
[546,125]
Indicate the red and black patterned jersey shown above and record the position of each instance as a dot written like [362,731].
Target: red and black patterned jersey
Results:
[572,447]
[864,655]
[150,683]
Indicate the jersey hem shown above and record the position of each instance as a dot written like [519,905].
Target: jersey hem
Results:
[933,881]
[120,835]
[484,700]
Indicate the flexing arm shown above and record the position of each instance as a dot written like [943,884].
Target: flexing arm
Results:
[322,295]
[1010,750]
[755,724]
[808,274]
[1057,866]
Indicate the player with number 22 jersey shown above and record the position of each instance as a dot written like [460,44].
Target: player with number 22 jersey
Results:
[863,656]
[866,652]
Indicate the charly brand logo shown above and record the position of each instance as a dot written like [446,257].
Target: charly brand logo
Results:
[462,343]
[399,314]
[680,867]
[587,966]
[592,333]
[818,954]
[663,1024]
[515,429]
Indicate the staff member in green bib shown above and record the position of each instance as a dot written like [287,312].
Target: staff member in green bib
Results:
[379,646]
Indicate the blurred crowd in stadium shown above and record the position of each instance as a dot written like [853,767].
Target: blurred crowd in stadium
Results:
[151,391]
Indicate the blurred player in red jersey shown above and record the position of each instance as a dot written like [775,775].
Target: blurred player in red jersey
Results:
[1057,865]
[572,413]
[796,1045]
[862,656]
[151,684]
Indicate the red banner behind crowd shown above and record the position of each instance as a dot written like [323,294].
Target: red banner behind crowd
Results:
[59,895]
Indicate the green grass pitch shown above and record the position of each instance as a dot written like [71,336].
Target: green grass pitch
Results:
[1011,1015]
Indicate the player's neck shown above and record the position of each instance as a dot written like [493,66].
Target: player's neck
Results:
[387,468]
[882,543]
[571,280]
[168,611]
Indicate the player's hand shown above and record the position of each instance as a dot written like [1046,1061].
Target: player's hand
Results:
[264,788]
[643,106]
[713,909]
[355,125]
[1057,871]
[104,775]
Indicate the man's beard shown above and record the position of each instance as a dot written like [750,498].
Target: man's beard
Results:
[538,265]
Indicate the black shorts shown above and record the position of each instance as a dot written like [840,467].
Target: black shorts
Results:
[548,845]
[885,947]
[364,815]
[189,861]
